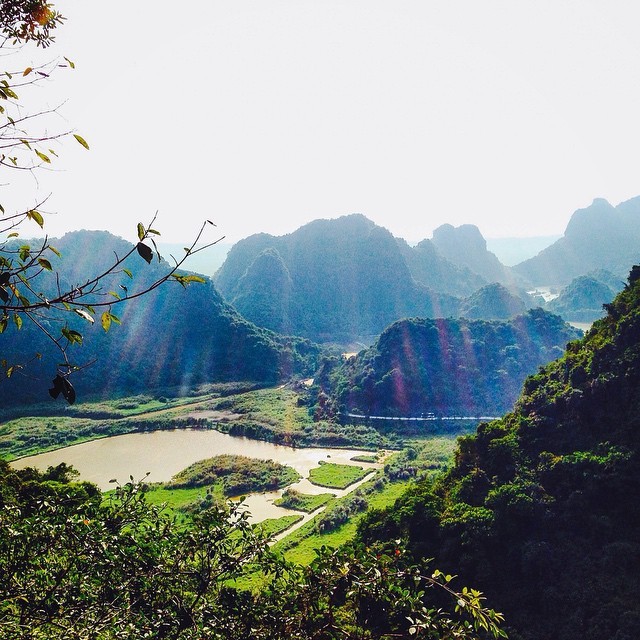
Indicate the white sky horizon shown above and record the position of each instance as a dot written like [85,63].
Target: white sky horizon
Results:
[264,116]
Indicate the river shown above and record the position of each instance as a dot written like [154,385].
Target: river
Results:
[164,453]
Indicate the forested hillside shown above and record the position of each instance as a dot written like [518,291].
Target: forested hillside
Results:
[541,507]
[331,281]
[443,366]
[583,298]
[347,279]
[172,336]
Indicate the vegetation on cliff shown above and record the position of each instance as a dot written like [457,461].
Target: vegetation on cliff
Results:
[541,507]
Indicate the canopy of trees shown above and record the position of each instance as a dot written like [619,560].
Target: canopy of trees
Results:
[541,507]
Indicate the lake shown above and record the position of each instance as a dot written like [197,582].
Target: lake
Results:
[165,453]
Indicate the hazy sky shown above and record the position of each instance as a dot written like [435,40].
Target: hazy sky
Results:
[265,115]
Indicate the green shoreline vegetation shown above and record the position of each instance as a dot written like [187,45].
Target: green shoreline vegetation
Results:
[336,476]
[294,499]
[275,415]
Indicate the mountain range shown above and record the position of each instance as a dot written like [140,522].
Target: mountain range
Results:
[171,336]
[344,280]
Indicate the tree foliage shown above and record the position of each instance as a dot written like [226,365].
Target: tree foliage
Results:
[75,565]
[442,366]
[540,508]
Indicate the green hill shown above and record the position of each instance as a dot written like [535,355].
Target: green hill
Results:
[541,509]
[492,302]
[583,298]
[171,336]
[445,366]
[331,281]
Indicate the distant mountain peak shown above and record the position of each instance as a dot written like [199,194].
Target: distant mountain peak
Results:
[465,246]
[599,236]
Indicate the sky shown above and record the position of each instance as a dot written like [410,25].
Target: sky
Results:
[264,115]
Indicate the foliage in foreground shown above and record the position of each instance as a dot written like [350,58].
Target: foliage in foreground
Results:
[75,566]
[541,508]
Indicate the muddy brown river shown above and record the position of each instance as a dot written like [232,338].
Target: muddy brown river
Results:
[164,453]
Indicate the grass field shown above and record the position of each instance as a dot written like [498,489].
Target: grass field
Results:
[292,499]
[276,415]
[425,457]
[300,546]
[336,476]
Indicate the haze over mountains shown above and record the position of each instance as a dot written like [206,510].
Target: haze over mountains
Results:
[169,337]
[340,282]
[346,279]
[598,237]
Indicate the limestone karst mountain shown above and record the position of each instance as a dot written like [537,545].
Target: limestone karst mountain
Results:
[583,299]
[599,236]
[444,366]
[347,279]
[338,280]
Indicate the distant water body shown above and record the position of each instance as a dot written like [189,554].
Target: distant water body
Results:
[165,453]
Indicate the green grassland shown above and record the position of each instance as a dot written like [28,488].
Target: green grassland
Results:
[300,546]
[274,526]
[280,415]
[292,499]
[424,458]
[277,415]
[336,476]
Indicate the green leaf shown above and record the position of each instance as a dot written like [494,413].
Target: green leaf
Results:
[115,319]
[26,143]
[128,273]
[105,319]
[15,234]
[54,250]
[24,252]
[145,252]
[157,233]
[81,140]
[114,295]
[83,314]
[45,264]
[71,335]
[17,320]
[184,280]
[36,216]
[71,64]
[140,231]
[43,157]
